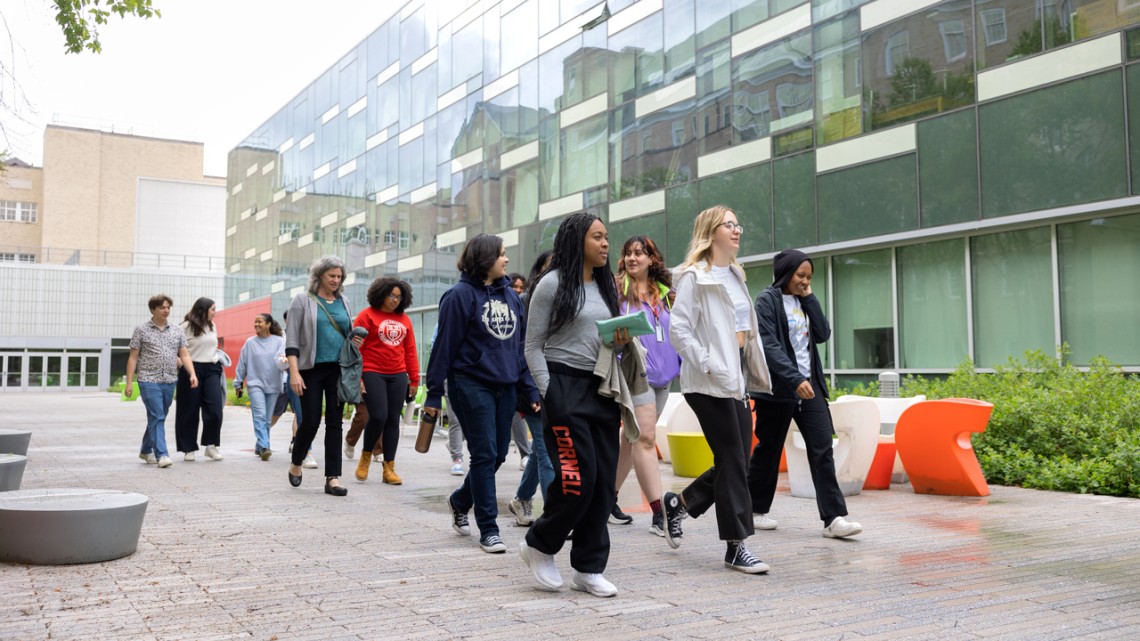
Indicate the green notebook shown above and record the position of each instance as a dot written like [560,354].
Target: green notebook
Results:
[637,324]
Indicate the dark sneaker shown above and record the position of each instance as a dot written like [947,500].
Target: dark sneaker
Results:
[737,557]
[658,525]
[674,514]
[492,544]
[459,521]
[617,517]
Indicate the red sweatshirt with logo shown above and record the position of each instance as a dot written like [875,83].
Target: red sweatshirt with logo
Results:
[390,347]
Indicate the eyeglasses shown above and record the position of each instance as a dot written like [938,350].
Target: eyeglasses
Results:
[395,297]
[731,226]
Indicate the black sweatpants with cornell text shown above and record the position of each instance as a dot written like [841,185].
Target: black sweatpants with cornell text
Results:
[581,432]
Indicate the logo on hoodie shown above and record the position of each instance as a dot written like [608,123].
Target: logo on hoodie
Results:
[499,319]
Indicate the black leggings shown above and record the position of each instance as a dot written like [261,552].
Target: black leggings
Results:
[384,396]
[320,385]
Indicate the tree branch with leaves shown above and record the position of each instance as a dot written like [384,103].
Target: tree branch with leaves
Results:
[80,19]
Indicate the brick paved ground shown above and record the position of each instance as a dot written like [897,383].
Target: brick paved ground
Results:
[229,550]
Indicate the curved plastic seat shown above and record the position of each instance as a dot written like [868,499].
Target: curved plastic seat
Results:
[64,526]
[890,409]
[691,453]
[15,442]
[856,423]
[684,421]
[11,471]
[933,441]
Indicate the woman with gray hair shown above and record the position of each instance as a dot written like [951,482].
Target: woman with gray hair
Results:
[319,322]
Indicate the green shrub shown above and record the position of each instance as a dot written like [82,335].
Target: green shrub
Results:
[1053,427]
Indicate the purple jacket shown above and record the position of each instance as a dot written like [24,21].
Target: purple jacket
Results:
[662,363]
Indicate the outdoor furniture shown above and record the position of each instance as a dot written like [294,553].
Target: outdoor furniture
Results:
[856,423]
[64,526]
[15,442]
[933,440]
[11,471]
[685,421]
[889,411]
[691,453]
[879,476]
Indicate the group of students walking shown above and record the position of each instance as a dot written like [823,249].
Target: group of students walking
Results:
[500,353]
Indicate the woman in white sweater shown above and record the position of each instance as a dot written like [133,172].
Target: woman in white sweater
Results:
[260,370]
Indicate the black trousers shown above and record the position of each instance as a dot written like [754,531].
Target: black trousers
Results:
[206,400]
[384,395]
[814,420]
[320,385]
[581,431]
[727,425]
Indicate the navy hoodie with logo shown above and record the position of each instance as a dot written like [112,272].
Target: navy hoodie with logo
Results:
[480,334]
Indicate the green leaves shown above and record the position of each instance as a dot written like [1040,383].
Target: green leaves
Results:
[80,19]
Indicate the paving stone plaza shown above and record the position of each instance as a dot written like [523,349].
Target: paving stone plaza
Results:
[230,551]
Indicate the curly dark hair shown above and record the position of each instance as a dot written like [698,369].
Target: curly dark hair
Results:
[380,288]
[658,272]
[479,255]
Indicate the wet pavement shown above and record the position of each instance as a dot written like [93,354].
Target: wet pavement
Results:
[230,551]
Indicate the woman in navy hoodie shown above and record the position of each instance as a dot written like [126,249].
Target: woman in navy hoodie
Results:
[479,353]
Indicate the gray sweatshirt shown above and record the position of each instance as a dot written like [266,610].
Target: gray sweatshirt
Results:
[257,365]
[575,345]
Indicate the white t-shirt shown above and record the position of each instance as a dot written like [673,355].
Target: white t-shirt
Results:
[739,295]
[799,330]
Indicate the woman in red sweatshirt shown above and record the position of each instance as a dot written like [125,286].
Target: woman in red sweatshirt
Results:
[391,370]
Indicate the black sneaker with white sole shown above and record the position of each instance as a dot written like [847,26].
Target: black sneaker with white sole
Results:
[492,544]
[674,514]
[658,525]
[617,517]
[459,521]
[737,557]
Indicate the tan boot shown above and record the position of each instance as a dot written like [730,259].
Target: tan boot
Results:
[362,466]
[390,474]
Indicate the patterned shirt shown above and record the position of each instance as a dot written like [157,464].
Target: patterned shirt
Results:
[158,352]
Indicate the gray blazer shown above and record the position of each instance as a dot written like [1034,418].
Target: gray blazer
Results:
[301,339]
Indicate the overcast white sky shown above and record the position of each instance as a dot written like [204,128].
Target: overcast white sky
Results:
[208,70]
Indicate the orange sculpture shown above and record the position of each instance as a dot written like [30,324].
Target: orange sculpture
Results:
[933,441]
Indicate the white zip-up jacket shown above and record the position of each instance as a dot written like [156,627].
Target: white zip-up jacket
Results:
[703,331]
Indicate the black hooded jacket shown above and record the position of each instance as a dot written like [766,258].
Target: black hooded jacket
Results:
[774,336]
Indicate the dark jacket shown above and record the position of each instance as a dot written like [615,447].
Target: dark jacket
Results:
[480,334]
[777,343]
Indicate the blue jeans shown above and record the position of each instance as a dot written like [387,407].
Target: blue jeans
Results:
[260,404]
[486,412]
[538,465]
[156,397]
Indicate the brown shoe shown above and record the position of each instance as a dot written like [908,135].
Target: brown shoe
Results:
[390,474]
[363,465]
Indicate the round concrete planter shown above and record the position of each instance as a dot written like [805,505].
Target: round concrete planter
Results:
[64,526]
[11,471]
[15,442]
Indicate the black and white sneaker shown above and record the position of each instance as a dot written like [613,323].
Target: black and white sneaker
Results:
[737,557]
[674,514]
[491,543]
[459,521]
[658,525]
[617,517]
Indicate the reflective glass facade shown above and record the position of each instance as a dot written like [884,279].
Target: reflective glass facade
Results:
[947,162]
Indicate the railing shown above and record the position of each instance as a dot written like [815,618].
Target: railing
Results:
[107,258]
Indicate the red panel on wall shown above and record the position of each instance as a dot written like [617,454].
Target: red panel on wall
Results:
[235,324]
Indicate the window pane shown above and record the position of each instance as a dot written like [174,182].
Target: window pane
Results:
[584,159]
[1007,30]
[838,90]
[637,60]
[714,83]
[520,35]
[948,168]
[793,184]
[824,9]
[863,323]
[1133,75]
[772,89]
[1054,147]
[1012,276]
[713,21]
[680,38]
[680,212]
[920,65]
[1073,20]
[748,192]
[932,304]
[867,200]
[519,201]
[1100,288]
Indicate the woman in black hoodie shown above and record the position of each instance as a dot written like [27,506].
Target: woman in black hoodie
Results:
[791,325]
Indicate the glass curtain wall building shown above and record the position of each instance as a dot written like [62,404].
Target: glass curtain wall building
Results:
[967,172]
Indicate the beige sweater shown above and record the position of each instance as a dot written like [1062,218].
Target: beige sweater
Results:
[622,380]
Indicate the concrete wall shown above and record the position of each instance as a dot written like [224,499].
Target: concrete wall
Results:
[181,218]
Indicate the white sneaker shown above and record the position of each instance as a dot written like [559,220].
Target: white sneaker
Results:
[188,457]
[523,511]
[595,584]
[212,453]
[350,452]
[764,522]
[841,528]
[165,462]
[149,458]
[457,469]
[309,463]
[522,463]
[541,566]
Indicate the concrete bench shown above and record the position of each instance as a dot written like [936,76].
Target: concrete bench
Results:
[64,526]
[11,471]
[15,442]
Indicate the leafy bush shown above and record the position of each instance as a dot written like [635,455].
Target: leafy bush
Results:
[1054,427]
